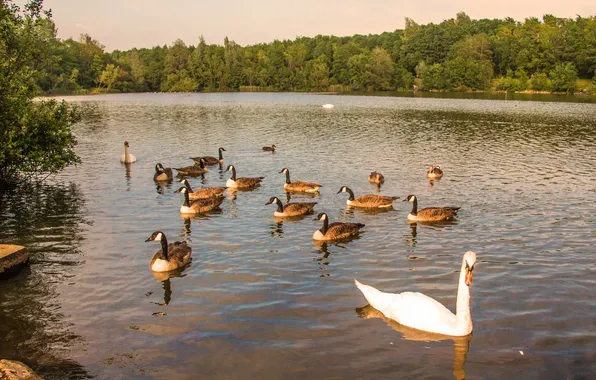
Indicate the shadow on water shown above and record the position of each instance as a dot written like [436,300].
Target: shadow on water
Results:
[48,220]
[461,344]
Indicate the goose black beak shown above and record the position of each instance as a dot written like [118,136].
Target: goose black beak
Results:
[148,239]
[268,203]
[338,192]
[405,200]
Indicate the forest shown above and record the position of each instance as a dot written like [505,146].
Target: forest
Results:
[459,54]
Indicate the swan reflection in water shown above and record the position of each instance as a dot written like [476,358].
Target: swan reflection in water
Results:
[461,344]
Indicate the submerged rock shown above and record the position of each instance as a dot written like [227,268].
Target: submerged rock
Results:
[13,370]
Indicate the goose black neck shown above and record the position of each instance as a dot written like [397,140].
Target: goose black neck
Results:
[414,207]
[201,164]
[233,173]
[288,177]
[220,154]
[325,226]
[164,247]
[351,193]
[157,169]
[187,184]
[186,199]
[280,207]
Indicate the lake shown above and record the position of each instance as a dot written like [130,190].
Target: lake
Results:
[260,299]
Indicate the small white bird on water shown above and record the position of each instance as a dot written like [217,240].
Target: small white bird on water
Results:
[421,312]
[328,106]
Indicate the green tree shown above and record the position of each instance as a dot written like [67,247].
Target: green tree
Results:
[35,137]
[563,77]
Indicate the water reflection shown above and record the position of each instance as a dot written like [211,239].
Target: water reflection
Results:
[49,221]
[277,228]
[461,344]
[164,278]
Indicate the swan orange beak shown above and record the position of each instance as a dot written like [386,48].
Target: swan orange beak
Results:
[468,277]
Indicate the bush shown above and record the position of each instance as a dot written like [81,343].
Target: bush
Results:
[563,77]
[509,84]
[540,82]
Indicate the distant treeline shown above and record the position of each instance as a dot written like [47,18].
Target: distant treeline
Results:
[459,54]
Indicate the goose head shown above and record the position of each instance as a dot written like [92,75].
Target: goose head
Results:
[230,168]
[273,200]
[158,168]
[156,236]
[410,198]
[321,216]
[469,262]
[184,181]
[284,170]
[181,190]
[273,146]
[344,189]
[222,149]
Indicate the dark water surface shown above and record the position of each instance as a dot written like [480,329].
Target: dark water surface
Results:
[260,299]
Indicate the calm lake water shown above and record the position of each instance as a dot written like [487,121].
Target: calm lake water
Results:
[260,300]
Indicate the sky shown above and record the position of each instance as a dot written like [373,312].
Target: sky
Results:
[124,24]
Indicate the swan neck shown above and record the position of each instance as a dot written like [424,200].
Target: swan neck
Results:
[125,153]
[462,306]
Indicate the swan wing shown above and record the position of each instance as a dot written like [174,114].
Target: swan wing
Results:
[410,309]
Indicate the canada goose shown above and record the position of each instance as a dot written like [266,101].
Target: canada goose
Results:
[162,174]
[198,206]
[203,192]
[434,172]
[429,214]
[170,256]
[376,177]
[336,230]
[421,312]
[291,209]
[299,186]
[197,169]
[127,157]
[269,148]
[210,160]
[367,200]
[242,183]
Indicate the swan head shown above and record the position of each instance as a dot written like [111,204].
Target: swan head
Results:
[156,236]
[344,189]
[410,198]
[321,216]
[284,170]
[469,262]
[126,144]
[273,200]
[181,190]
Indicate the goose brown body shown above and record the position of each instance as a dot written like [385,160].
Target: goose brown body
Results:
[210,160]
[291,209]
[242,183]
[269,148]
[299,186]
[376,177]
[430,214]
[203,192]
[162,174]
[193,170]
[368,200]
[198,206]
[171,256]
[434,172]
[336,230]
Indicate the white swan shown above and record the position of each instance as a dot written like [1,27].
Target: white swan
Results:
[424,313]
[328,106]
[127,158]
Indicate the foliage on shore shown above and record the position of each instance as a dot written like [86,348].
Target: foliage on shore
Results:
[35,136]
[459,54]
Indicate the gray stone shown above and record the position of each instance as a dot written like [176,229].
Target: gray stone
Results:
[12,258]
[13,370]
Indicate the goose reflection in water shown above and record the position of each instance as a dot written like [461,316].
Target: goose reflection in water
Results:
[461,344]
[277,228]
[164,278]
[412,240]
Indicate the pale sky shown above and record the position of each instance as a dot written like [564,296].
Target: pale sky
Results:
[124,24]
